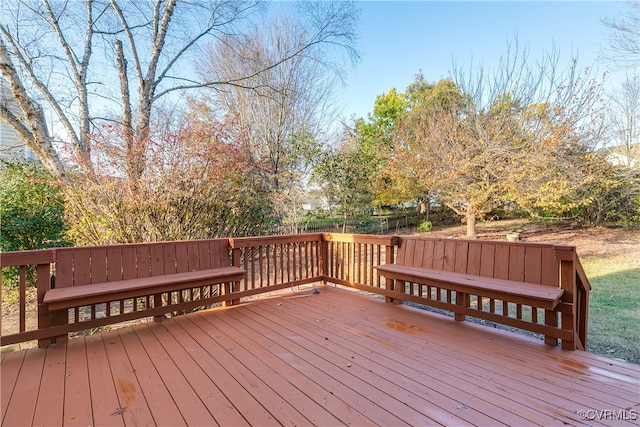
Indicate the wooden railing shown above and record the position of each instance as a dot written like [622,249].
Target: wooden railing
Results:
[277,262]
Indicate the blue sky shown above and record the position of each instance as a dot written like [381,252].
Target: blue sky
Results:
[398,39]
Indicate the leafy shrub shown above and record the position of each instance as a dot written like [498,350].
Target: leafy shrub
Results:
[31,211]
[425,226]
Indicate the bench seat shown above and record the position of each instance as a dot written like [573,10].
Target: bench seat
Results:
[77,296]
[542,296]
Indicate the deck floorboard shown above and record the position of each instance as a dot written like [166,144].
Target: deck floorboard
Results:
[337,358]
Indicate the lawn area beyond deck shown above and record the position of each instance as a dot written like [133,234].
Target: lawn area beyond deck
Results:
[335,358]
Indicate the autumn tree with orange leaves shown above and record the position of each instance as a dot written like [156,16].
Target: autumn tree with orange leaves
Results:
[521,134]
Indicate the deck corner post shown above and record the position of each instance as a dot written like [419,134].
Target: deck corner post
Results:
[569,284]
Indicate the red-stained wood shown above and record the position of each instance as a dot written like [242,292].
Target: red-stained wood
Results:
[184,396]
[533,265]
[99,265]
[501,262]
[8,378]
[288,404]
[474,258]
[51,394]
[216,402]
[106,409]
[135,410]
[516,263]
[337,358]
[77,395]
[30,372]
[82,295]
[487,259]
[203,352]
[114,263]
[162,405]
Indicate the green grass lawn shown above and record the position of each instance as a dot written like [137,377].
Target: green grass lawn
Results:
[614,307]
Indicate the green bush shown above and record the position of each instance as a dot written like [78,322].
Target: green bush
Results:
[425,226]
[31,212]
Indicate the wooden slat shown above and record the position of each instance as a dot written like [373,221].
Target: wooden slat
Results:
[51,393]
[181,391]
[114,263]
[487,259]
[182,256]
[156,259]
[516,263]
[129,263]
[64,268]
[462,257]
[155,392]
[130,395]
[438,254]
[77,395]
[501,262]
[533,265]
[106,409]
[550,268]
[25,395]
[143,261]
[449,259]
[98,265]
[9,378]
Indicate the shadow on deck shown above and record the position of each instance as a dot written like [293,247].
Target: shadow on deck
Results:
[335,358]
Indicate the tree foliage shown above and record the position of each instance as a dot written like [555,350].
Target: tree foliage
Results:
[198,183]
[518,134]
[31,208]
[286,116]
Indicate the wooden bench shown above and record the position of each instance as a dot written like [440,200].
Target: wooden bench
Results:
[96,293]
[510,290]
[141,280]
[505,274]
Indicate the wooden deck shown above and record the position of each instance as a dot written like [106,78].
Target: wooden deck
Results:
[335,358]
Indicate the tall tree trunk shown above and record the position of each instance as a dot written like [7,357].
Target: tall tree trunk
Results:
[471,223]
[32,128]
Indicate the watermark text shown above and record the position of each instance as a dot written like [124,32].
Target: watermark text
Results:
[608,414]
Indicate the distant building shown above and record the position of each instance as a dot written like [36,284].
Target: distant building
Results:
[623,155]
[11,145]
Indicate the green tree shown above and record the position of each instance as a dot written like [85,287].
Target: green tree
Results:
[344,180]
[31,208]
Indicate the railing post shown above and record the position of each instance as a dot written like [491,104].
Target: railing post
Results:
[390,283]
[323,260]
[566,256]
[231,287]
[43,283]
[568,283]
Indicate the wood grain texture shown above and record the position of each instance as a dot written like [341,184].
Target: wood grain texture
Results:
[337,358]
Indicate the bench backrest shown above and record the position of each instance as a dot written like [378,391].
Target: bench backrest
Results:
[524,262]
[99,264]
